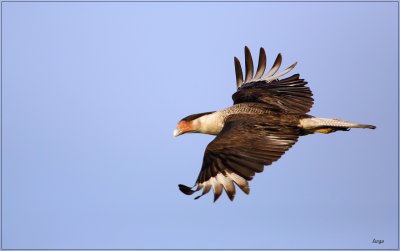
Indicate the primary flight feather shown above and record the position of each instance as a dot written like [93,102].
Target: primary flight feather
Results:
[267,117]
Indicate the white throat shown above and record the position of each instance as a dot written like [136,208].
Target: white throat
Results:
[209,124]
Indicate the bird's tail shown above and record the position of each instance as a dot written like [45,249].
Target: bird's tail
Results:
[323,125]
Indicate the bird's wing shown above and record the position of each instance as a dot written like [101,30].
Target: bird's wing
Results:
[245,144]
[290,94]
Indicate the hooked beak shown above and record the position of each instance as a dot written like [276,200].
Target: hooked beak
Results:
[182,127]
[177,132]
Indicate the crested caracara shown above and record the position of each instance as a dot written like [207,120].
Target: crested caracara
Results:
[267,117]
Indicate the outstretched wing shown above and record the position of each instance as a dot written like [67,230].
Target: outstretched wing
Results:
[241,149]
[289,95]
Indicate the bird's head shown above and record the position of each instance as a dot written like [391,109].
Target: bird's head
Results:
[190,124]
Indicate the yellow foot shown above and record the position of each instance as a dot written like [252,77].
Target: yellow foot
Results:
[325,130]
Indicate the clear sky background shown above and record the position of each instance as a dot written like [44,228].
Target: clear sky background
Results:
[93,91]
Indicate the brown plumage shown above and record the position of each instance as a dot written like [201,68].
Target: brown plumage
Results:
[267,117]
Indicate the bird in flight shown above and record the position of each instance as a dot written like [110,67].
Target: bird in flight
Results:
[267,117]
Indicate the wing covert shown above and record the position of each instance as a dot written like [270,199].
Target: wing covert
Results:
[289,95]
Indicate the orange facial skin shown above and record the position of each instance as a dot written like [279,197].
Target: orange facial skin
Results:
[184,126]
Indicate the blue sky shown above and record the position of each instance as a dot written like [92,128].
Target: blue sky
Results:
[93,91]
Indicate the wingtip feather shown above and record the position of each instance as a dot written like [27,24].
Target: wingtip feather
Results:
[275,66]
[238,72]
[262,64]
[185,189]
[249,64]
